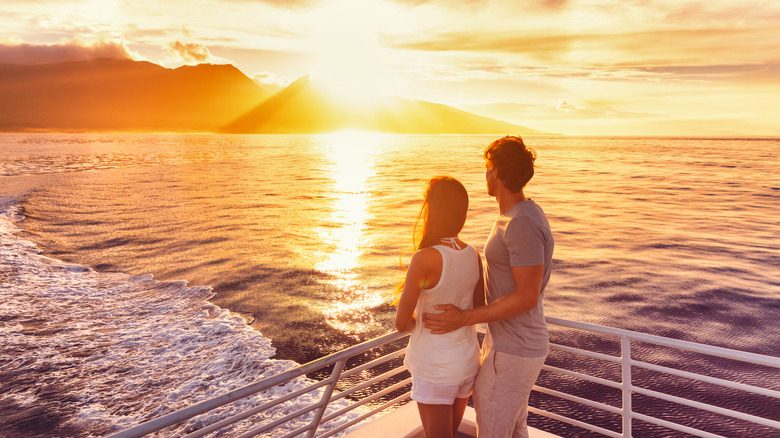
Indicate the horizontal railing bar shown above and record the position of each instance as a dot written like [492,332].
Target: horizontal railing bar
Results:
[706,407]
[675,426]
[213,403]
[371,382]
[286,418]
[362,347]
[714,380]
[208,405]
[296,432]
[372,397]
[574,398]
[350,423]
[726,353]
[589,378]
[388,357]
[349,408]
[593,354]
[574,422]
[253,411]
[313,406]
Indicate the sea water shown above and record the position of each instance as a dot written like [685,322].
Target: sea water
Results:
[173,268]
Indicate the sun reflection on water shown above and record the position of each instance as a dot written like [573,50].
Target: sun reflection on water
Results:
[352,156]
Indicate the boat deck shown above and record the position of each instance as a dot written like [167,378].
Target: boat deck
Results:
[404,422]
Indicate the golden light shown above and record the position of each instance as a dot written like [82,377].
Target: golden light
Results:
[350,61]
[351,164]
[352,156]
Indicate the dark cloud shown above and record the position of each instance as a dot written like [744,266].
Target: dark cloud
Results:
[75,50]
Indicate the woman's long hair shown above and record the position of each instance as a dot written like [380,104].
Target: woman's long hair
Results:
[443,213]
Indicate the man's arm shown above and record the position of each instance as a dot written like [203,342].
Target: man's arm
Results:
[528,285]
[479,289]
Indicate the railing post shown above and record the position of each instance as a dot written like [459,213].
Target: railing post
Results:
[625,360]
[325,399]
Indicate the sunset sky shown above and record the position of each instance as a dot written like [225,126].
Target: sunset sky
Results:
[592,67]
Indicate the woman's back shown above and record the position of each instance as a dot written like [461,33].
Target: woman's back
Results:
[454,356]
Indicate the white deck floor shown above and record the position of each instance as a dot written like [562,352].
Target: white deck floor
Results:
[404,422]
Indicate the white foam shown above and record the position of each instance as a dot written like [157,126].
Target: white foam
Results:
[125,348]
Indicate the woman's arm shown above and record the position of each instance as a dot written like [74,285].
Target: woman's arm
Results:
[419,276]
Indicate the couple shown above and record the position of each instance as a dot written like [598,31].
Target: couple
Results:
[445,293]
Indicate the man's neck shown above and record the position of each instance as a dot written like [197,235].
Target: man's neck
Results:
[507,199]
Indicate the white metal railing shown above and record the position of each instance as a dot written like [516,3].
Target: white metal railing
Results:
[627,387]
[326,396]
[377,398]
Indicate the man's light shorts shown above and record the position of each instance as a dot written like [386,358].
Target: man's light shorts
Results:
[440,393]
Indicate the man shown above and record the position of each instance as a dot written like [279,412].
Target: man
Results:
[518,256]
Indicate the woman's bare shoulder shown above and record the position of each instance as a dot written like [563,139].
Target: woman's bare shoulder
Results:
[427,256]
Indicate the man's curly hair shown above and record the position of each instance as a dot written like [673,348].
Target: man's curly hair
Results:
[512,161]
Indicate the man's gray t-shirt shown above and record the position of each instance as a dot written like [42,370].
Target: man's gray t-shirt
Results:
[520,237]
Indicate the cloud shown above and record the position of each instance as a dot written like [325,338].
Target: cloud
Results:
[553,45]
[558,111]
[553,4]
[564,106]
[285,4]
[589,33]
[180,52]
[269,78]
[710,73]
[482,4]
[189,53]
[74,50]
[533,44]
[270,83]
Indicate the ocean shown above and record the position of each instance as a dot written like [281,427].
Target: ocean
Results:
[142,270]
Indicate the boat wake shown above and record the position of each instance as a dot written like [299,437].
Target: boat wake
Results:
[88,353]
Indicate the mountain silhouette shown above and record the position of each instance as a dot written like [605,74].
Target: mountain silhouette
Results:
[126,95]
[305,107]
[113,94]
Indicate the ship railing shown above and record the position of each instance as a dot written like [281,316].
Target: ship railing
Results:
[388,386]
[628,367]
[336,362]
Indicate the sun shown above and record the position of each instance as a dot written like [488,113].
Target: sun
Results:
[350,60]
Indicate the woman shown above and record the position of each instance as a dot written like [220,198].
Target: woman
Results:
[444,270]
